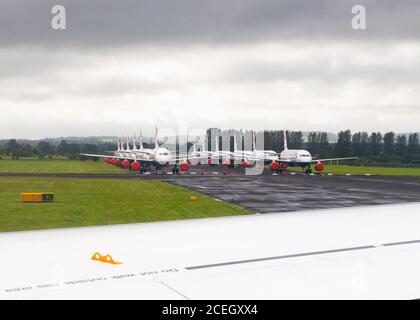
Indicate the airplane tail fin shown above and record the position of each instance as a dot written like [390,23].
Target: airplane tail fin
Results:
[119,144]
[254,141]
[128,144]
[141,140]
[156,138]
[235,143]
[217,144]
[135,142]
[285,139]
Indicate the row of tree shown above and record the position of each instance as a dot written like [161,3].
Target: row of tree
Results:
[44,149]
[363,144]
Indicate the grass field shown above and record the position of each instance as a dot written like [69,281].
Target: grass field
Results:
[86,167]
[93,202]
[57,166]
[384,171]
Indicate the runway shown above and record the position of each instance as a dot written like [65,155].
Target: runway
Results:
[265,194]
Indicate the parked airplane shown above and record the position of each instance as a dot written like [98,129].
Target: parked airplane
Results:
[281,161]
[249,158]
[210,157]
[202,156]
[142,158]
[302,158]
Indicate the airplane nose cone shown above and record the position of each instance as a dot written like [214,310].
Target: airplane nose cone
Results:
[164,160]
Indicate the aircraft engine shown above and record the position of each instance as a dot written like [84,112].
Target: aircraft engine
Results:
[274,166]
[226,162]
[319,166]
[284,166]
[135,166]
[246,164]
[125,164]
[185,166]
[209,161]
[117,162]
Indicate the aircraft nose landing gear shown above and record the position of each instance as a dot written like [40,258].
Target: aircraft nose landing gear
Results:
[175,169]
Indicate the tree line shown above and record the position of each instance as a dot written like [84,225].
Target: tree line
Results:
[45,149]
[371,148]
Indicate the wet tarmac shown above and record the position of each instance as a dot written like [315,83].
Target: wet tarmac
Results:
[267,193]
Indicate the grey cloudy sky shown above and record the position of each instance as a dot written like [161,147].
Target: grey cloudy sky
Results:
[273,64]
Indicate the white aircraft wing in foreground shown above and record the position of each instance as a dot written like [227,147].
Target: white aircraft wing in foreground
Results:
[356,253]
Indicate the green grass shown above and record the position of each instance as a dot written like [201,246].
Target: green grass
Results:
[91,167]
[57,166]
[385,171]
[93,202]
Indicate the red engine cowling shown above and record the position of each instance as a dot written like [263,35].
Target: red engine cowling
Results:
[246,164]
[274,166]
[209,162]
[284,166]
[117,163]
[185,166]
[135,166]
[125,164]
[226,163]
[319,166]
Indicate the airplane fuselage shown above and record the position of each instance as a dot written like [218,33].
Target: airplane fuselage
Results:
[295,157]
[161,156]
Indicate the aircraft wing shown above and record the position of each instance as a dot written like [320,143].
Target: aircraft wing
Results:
[186,157]
[249,158]
[334,159]
[368,252]
[95,155]
[113,156]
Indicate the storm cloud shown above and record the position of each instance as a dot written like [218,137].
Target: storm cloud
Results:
[121,65]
